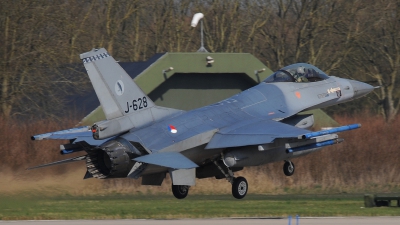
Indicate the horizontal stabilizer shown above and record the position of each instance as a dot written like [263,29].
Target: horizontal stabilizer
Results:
[174,160]
[79,158]
[77,134]
[64,134]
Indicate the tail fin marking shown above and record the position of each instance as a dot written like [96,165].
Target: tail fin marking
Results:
[117,93]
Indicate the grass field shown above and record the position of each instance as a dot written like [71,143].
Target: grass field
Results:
[194,206]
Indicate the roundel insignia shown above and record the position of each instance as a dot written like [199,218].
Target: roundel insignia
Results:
[119,87]
[172,129]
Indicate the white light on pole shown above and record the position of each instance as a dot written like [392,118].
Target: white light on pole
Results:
[196,18]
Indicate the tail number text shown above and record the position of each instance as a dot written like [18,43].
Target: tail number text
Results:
[137,104]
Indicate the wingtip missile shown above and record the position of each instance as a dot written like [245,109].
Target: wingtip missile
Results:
[315,145]
[330,131]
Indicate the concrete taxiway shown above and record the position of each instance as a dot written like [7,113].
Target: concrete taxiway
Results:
[229,221]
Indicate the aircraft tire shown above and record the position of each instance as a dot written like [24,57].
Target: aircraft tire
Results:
[239,187]
[180,191]
[288,168]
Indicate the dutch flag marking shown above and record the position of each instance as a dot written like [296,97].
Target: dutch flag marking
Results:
[172,129]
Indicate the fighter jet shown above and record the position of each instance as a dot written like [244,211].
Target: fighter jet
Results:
[255,127]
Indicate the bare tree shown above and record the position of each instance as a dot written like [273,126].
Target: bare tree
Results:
[41,36]
[379,54]
[33,49]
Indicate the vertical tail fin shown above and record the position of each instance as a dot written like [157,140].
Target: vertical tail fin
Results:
[115,89]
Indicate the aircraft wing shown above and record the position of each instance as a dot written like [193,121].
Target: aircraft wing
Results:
[77,134]
[254,133]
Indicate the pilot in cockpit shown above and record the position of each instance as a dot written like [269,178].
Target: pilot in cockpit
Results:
[297,73]
[300,74]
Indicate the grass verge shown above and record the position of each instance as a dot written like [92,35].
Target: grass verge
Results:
[194,206]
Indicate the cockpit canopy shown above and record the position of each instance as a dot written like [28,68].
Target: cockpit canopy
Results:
[299,72]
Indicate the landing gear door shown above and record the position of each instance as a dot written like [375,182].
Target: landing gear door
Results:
[183,176]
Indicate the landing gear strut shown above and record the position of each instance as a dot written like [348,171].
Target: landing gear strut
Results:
[180,191]
[288,168]
[239,184]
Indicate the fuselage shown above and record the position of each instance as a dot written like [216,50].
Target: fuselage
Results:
[266,101]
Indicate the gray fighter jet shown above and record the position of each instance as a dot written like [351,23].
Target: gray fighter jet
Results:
[255,127]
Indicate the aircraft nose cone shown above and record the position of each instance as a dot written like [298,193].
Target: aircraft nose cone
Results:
[360,88]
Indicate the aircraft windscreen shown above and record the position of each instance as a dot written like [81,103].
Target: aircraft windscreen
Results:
[300,72]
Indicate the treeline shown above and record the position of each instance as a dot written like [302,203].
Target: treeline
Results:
[364,162]
[353,39]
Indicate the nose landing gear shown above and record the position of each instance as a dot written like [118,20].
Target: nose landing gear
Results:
[288,168]
[180,191]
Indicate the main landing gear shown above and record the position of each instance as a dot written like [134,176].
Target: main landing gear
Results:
[288,168]
[239,184]
[239,187]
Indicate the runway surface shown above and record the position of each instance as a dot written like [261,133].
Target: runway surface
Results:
[229,221]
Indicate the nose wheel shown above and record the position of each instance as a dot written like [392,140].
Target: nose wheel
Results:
[288,168]
[180,191]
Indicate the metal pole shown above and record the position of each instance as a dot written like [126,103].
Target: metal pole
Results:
[202,49]
[202,41]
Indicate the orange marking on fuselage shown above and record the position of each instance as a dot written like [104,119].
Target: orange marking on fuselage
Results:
[298,95]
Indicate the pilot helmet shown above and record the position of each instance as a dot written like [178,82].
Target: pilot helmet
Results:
[300,69]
